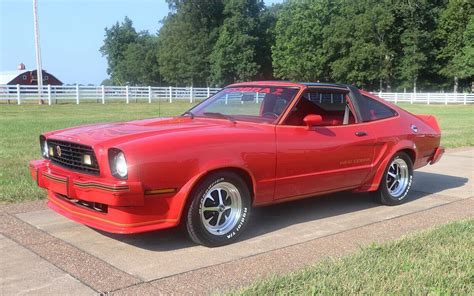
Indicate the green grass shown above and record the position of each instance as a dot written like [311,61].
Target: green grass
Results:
[456,121]
[436,262]
[21,125]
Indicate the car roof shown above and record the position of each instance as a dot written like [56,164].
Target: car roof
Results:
[287,83]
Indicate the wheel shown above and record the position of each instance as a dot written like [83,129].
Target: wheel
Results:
[396,180]
[219,209]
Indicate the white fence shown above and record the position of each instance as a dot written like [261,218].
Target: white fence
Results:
[52,94]
[428,98]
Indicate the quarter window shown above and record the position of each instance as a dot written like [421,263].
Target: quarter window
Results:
[371,109]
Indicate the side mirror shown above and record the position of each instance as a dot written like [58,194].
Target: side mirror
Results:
[312,120]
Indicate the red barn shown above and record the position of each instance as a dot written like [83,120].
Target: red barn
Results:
[27,77]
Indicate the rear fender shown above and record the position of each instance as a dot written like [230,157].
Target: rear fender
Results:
[430,120]
[375,178]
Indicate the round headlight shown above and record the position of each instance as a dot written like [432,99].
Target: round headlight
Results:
[121,165]
[45,149]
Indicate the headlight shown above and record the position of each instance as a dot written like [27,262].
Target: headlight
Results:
[118,163]
[44,147]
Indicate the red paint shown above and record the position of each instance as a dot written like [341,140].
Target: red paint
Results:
[282,162]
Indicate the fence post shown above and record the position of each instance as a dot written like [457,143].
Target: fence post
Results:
[171,94]
[445,98]
[191,94]
[18,96]
[149,94]
[429,97]
[411,98]
[77,93]
[208,92]
[103,94]
[465,98]
[396,98]
[49,94]
[256,98]
[126,94]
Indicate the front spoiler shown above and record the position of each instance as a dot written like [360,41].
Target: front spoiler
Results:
[127,209]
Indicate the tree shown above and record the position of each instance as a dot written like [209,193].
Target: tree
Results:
[415,22]
[298,53]
[452,25]
[116,41]
[359,41]
[266,33]
[234,57]
[186,40]
[139,65]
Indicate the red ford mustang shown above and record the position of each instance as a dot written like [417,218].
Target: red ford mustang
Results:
[251,144]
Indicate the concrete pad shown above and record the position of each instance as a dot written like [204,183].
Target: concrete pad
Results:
[160,254]
[23,272]
[453,175]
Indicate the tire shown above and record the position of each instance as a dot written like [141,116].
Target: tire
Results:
[396,181]
[214,219]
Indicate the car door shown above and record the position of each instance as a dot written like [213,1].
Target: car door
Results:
[323,158]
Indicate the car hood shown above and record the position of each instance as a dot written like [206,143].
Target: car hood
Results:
[117,133]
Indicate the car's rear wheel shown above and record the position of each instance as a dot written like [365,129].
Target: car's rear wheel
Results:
[219,209]
[396,181]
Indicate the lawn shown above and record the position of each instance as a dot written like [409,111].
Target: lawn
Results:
[456,121]
[436,262]
[21,125]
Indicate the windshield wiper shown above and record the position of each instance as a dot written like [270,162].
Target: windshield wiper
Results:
[191,114]
[220,115]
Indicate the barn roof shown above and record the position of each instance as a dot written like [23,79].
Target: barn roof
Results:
[7,76]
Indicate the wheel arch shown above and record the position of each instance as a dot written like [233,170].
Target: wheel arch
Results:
[246,176]
[373,183]
[408,151]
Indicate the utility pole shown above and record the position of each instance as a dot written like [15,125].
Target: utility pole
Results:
[39,68]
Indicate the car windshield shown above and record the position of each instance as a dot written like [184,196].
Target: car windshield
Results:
[256,104]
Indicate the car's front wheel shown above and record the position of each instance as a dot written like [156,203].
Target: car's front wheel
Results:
[396,181]
[219,209]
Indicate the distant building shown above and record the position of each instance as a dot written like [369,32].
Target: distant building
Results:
[27,77]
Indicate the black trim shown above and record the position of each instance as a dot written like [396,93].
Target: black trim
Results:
[355,97]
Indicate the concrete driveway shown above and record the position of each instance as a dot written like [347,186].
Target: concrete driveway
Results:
[44,253]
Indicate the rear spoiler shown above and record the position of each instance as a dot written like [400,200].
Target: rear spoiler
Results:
[430,120]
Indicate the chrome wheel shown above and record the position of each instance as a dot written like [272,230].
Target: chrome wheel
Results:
[221,208]
[398,178]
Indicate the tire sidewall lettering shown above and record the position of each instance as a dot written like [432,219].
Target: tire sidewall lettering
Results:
[243,219]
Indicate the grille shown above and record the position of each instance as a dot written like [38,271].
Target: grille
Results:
[71,155]
[98,207]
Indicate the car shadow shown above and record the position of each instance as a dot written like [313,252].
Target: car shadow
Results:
[275,217]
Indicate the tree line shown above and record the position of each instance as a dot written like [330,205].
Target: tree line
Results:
[387,45]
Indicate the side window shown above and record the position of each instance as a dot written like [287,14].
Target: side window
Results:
[332,106]
[372,110]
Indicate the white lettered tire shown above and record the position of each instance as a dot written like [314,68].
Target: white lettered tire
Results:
[396,181]
[219,209]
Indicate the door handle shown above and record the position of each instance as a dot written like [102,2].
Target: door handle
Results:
[361,133]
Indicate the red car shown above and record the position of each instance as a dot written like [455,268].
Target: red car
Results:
[251,144]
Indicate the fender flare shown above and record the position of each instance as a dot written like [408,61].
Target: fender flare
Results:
[181,199]
[373,182]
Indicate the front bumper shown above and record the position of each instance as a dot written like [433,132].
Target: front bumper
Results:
[116,206]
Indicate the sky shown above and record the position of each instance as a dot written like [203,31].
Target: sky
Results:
[71,33]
